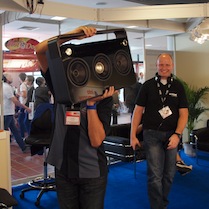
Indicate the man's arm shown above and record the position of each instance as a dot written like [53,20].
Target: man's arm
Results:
[42,47]
[136,120]
[182,121]
[96,130]
[17,103]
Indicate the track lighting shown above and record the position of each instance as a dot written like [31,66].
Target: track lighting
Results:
[200,34]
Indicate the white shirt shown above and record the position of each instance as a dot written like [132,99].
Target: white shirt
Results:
[8,93]
[23,87]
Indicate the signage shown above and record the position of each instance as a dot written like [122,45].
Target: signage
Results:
[21,45]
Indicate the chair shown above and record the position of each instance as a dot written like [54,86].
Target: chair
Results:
[117,145]
[6,200]
[200,139]
[39,140]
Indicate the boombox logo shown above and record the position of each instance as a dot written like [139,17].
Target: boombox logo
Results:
[83,71]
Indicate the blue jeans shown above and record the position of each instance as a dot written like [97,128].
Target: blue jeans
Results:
[80,193]
[9,123]
[21,123]
[27,123]
[161,167]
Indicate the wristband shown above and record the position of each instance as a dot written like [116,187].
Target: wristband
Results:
[92,107]
[179,135]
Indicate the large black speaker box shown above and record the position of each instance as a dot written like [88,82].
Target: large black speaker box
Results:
[80,72]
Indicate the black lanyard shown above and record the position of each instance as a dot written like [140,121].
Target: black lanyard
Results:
[163,98]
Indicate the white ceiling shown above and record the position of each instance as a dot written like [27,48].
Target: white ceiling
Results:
[154,23]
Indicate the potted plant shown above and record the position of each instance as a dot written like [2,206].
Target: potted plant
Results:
[195,97]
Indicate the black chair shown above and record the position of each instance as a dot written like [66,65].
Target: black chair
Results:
[6,199]
[39,140]
[117,145]
[200,140]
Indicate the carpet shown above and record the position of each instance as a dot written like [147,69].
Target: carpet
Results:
[126,192]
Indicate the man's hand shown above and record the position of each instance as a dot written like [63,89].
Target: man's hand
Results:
[173,142]
[107,93]
[88,31]
[135,143]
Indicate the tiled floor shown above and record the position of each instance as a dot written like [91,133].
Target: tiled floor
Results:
[26,167]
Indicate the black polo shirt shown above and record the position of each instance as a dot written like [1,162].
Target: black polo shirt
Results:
[149,98]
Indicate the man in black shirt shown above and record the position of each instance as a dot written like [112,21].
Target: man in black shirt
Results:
[163,103]
[76,150]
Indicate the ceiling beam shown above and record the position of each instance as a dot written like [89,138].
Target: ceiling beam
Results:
[64,10]
[155,24]
[154,12]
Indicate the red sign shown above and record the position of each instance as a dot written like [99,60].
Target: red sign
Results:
[21,45]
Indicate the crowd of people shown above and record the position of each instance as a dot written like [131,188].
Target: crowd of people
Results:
[16,104]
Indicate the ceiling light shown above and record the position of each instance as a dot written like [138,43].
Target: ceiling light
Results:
[200,34]
[132,26]
[28,28]
[101,3]
[58,18]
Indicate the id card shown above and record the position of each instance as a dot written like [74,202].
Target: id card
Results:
[165,112]
[72,117]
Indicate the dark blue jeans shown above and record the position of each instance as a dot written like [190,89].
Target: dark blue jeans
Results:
[27,123]
[161,167]
[80,193]
[21,123]
[9,123]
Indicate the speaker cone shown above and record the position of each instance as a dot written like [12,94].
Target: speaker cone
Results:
[122,62]
[78,72]
[102,67]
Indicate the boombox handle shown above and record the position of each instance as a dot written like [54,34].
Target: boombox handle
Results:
[55,62]
[119,33]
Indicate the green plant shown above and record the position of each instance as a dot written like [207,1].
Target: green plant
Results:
[195,97]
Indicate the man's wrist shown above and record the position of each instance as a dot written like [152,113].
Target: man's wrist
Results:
[178,134]
[91,107]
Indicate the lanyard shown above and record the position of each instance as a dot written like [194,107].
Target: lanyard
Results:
[163,98]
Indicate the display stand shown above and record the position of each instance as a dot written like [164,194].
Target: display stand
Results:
[5,161]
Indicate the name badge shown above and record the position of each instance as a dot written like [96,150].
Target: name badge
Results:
[165,112]
[72,117]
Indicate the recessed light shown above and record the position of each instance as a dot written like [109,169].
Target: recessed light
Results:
[132,26]
[28,28]
[101,3]
[58,18]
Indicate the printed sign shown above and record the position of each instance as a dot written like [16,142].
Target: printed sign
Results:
[21,45]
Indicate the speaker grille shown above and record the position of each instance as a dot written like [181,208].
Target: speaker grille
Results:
[122,62]
[78,72]
[102,67]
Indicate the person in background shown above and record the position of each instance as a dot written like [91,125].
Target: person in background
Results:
[9,102]
[29,82]
[181,166]
[162,102]
[130,94]
[42,92]
[76,149]
[22,94]
[115,108]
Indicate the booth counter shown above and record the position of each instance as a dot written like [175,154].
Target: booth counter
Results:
[5,161]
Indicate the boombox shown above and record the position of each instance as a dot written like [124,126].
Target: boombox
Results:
[80,72]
